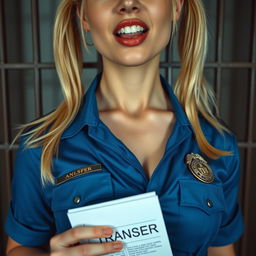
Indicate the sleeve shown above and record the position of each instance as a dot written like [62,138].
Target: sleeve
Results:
[29,220]
[232,225]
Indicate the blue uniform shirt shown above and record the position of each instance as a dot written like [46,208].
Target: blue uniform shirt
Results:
[197,215]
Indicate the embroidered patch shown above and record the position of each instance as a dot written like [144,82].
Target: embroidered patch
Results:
[78,172]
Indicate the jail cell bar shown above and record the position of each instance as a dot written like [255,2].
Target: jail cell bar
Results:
[37,66]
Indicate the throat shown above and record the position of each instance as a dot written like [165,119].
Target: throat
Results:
[146,138]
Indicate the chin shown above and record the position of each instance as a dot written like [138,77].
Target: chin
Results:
[133,60]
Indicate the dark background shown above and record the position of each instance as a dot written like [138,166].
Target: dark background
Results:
[30,87]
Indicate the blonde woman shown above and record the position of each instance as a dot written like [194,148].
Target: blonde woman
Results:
[127,135]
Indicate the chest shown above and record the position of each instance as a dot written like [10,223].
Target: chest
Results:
[146,137]
[183,199]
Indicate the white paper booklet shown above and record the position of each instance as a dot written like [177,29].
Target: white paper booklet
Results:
[137,221]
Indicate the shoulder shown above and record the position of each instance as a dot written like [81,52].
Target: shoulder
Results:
[225,140]
[28,159]
[226,167]
[23,144]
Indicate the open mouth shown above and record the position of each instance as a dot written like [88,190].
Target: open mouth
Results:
[131,32]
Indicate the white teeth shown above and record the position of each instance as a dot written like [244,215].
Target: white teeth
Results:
[130,30]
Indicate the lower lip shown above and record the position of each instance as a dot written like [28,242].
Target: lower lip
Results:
[130,42]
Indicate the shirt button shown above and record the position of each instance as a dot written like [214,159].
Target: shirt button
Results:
[77,199]
[209,203]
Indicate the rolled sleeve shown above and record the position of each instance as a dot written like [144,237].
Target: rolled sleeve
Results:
[232,225]
[30,219]
[23,234]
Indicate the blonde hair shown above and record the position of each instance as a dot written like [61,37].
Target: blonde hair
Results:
[191,89]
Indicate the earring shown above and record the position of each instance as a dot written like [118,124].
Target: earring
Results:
[88,43]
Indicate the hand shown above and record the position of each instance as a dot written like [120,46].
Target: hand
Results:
[67,243]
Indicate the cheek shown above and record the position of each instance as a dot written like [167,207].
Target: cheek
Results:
[162,14]
[98,16]
[163,25]
[97,22]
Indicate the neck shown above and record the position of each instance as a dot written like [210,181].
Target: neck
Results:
[132,90]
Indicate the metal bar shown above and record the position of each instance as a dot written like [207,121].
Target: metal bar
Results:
[8,147]
[40,65]
[249,155]
[36,54]
[5,190]
[4,99]
[169,75]
[173,64]
[251,145]
[220,25]
[214,65]
[253,80]
[2,41]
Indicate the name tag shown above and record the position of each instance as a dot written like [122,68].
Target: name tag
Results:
[78,172]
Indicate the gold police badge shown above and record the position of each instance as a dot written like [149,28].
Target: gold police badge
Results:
[199,168]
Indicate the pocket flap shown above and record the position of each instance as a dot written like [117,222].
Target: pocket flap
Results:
[87,189]
[207,197]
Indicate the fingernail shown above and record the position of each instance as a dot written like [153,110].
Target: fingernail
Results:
[107,231]
[117,245]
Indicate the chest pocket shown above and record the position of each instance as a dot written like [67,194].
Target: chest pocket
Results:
[207,197]
[85,190]
[201,207]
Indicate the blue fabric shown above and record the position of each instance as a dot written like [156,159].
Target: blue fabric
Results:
[37,213]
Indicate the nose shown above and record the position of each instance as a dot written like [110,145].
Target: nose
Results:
[128,6]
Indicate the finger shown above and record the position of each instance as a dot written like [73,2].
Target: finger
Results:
[94,249]
[75,235]
[91,249]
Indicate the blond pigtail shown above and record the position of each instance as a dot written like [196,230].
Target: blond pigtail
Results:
[68,59]
[191,89]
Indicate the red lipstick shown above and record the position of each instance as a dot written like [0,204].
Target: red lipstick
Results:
[131,40]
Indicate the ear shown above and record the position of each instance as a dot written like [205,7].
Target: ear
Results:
[179,5]
[85,22]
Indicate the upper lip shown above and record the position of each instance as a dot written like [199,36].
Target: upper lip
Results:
[130,22]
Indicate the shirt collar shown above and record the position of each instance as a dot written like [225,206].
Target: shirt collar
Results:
[181,117]
[89,114]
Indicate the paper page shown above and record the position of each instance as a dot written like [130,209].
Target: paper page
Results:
[116,201]
[137,222]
